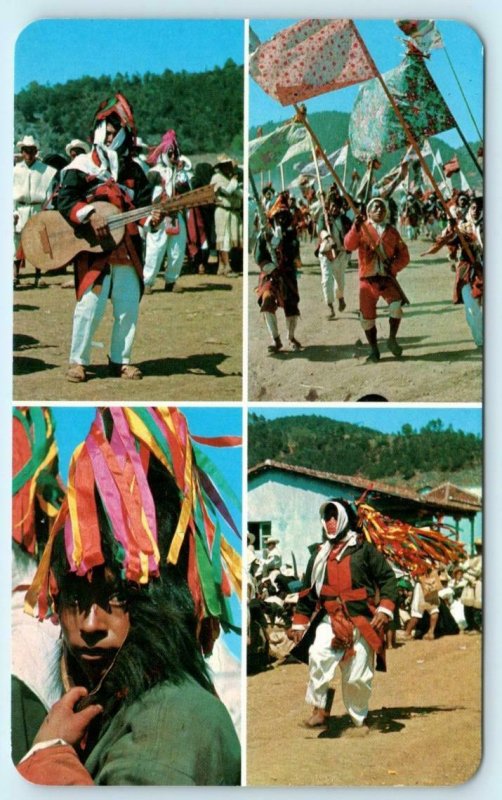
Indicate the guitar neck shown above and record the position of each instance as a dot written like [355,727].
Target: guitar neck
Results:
[189,200]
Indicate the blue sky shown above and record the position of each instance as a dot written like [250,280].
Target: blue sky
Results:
[463,47]
[388,419]
[55,51]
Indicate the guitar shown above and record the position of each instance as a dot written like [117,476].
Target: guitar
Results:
[50,242]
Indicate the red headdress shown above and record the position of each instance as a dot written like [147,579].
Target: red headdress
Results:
[167,142]
[119,106]
[280,206]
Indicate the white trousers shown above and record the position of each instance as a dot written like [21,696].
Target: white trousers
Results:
[273,328]
[160,244]
[473,314]
[357,672]
[331,272]
[125,292]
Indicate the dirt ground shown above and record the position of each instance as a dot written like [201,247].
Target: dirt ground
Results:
[440,362]
[424,720]
[188,345]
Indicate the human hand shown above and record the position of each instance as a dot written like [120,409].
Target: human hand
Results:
[295,634]
[156,217]
[380,622]
[358,221]
[62,722]
[99,225]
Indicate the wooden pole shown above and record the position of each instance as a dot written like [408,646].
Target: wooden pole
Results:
[468,148]
[302,117]
[281,168]
[318,176]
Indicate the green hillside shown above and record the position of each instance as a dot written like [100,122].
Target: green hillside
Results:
[205,108]
[427,456]
[331,128]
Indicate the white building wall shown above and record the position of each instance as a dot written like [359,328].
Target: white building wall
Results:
[293,512]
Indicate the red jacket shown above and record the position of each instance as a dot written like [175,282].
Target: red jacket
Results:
[367,239]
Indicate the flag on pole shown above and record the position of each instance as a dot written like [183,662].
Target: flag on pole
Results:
[277,147]
[392,179]
[336,159]
[427,149]
[418,99]
[254,41]
[422,32]
[451,166]
[438,157]
[464,183]
[309,58]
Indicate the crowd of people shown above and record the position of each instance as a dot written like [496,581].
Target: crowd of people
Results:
[117,167]
[376,219]
[348,607]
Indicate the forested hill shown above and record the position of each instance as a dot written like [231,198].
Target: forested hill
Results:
[204,108]
[430,455]
[332,129]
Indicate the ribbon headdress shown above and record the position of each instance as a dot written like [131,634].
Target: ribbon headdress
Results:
[34,473]
[119,106]
[121,109]
[168,142]
[113,463]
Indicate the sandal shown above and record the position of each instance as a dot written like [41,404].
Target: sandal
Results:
[319,719]
[76,373]
[127,371]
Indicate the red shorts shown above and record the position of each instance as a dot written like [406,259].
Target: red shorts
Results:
[370,290]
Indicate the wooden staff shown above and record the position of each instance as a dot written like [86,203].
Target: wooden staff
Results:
[281,168]
[302,117]
[318,175]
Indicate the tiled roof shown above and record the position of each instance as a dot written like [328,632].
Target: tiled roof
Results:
[451,498]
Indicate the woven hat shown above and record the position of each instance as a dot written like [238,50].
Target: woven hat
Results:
[27,141]
[77,144]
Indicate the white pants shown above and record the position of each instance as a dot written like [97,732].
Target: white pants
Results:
[357,672]
[419,604]
[331,272]
[160,244]
[273,328]
[473,314]
[89,311]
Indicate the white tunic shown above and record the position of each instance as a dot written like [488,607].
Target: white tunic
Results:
[32,188]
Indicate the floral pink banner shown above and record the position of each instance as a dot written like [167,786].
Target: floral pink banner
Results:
[309,58]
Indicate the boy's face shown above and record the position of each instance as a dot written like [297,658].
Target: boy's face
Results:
[94,621]
[111,132]
[377,212]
